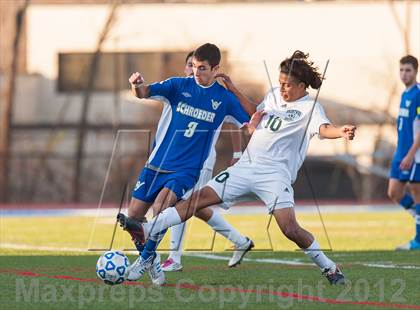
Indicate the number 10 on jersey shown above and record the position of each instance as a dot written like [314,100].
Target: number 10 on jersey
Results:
[274,123]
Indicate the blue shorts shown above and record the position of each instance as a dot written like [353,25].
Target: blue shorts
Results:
[411,175]
[151,182]
[415,173]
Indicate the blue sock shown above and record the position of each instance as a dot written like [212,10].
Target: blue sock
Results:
[152,244]
[417,238]
[139,247]
[407,201]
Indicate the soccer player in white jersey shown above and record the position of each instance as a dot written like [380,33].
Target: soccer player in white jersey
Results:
[281,129]
[209,215]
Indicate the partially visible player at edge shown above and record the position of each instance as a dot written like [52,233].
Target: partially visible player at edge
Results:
[405,166]
[270,163]
[211,216]
[194,111]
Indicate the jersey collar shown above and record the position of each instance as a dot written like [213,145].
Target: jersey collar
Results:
[411,87]
[204,86]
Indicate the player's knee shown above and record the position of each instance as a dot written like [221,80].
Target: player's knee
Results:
[394,194]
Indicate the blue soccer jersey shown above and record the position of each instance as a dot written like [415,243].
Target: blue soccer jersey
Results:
[408,113]
[410,104]
[191,116]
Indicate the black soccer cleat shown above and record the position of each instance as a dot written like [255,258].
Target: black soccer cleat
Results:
[133,227]
[334,275]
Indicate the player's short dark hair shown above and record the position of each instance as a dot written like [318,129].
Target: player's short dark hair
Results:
[301,69]
[188,56]
[409,59]
[209,52]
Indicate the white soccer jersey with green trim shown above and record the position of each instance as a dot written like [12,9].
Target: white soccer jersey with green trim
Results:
[281,140]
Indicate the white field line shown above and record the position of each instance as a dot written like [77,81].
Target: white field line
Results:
[295,262]
[15,246]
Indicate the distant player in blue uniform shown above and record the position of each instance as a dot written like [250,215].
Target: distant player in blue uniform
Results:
[405,166]
[194,110]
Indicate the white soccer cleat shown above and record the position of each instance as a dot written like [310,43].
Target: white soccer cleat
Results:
[334,275]
[240,252]
[155,271]
[171,265]
[138,268]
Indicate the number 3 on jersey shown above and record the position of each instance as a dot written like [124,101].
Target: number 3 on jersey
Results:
[189,132]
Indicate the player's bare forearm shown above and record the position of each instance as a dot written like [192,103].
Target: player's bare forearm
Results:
[141,92]
[328,131]
[249,106]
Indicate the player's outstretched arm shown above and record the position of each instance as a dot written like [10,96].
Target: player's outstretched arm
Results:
[138,88]
[249,106]
[329,131]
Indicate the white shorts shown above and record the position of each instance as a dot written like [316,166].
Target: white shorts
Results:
[205,177]
[271,187]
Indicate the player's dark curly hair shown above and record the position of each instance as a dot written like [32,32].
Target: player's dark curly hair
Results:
[209,52]
[301,69]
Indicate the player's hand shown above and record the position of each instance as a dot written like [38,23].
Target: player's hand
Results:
[136,79]
[407,162]
[255,120]
[227,81]
[257,117]
[348,131]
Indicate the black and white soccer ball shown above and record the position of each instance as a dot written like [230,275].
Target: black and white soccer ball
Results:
[112,267]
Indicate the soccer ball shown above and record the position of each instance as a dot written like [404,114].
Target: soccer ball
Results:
[112,267]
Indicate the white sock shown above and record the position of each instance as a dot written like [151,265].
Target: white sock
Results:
[167,218]
[177,240]
[220,225]
[317,256]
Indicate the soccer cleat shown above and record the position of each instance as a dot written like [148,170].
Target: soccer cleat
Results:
[138,268]
[155,271]
[133,227]
[240,252]
[334,275]
[171,265]
[411,245]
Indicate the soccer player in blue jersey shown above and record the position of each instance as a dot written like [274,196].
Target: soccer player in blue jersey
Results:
[210,215]
[194,110]
[405,166]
